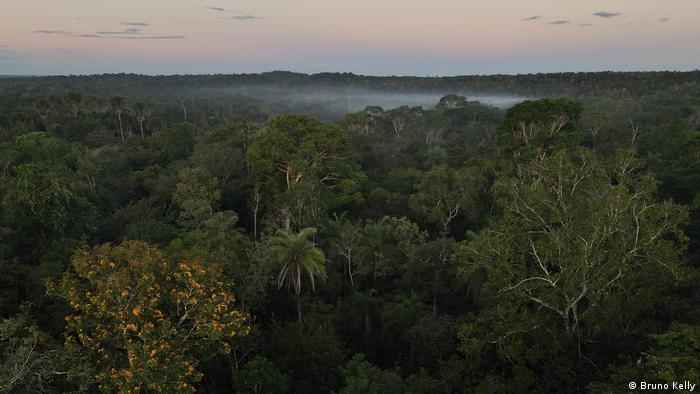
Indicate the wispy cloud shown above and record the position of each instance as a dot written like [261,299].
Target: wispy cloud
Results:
[172,37]
[532,18]
[664,20]
[245,17]
[125,31]
[585,24]
[128,34]
[606,14]
[142,24]
[560,22]
[59,32]
[239,16]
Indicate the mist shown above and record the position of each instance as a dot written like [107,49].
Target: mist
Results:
[341,100]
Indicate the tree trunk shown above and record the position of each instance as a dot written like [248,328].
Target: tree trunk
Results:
[121,125]
[435,296]
[352,281]
[141,126]
[299,307]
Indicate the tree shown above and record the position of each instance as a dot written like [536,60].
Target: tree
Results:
[444,193]
[361,377]
[297,256]
[197,195]
[404,117]
[117,104]
[575,230]
[30,361]
[346,239]
[452,101]
[536,128]
[145,321]
[140,112]
[308,353]
[43,108]
[44,195]
[306,167]
[219,242]
[259,376]
[75,103]
[672,355]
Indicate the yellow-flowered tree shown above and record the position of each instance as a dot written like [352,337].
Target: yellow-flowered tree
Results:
[145,321]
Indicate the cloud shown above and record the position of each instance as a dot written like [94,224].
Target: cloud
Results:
[246,17]
[128,34]
[606,14]
[125,31]
[532,18]
[239,17]
[142,24]
[664,20]
[171,37]
[560,22]
[585,24]
[60,32]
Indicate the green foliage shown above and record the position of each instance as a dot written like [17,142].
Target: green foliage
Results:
[297,255]
[197,196]
[32,362]
[535,128]
[444,194]
[362,377]
[568,273]
[308,353]
[672,358]
[259,376]
[305,167]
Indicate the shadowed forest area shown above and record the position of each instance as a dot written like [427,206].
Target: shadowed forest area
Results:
[336,233]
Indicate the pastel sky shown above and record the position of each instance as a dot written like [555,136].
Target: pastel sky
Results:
[374,37]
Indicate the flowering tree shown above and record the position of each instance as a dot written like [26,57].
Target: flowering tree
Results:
[143,320]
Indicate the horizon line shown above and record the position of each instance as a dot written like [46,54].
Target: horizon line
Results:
[345,73]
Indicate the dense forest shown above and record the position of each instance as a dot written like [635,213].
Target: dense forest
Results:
[259,234]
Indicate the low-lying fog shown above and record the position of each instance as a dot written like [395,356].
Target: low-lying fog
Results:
[360,100]
[344,100]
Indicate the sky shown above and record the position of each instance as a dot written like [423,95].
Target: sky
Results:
[371,37]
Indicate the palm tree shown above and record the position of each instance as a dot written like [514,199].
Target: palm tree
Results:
[140,113]
[296,254]
[118,108]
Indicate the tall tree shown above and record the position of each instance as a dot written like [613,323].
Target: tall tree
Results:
[297,256]
[444,194]
[75,103]
[346,239]
[140,111]
[117,104]
[305,167]
[574,230]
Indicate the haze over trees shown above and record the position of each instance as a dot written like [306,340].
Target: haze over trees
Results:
[213,234]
